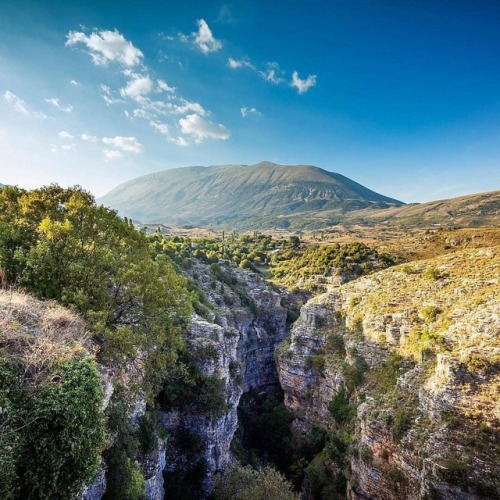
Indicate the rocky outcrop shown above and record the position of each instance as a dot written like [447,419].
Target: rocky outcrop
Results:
[415,349]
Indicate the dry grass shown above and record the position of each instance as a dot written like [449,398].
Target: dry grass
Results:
[36,335]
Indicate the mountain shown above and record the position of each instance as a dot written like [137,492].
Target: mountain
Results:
[482,209]
[258,196]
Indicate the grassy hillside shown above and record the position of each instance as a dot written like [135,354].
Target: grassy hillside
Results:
[255,196]
[474,210]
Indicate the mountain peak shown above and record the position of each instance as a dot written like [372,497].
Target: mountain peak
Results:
[263,195]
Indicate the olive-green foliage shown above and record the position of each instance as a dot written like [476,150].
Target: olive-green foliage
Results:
[382,378]
[186,481]
[354,372]
[422,343]
[123,476]
[355,258]
[340,409]
[324,481]
[403,420]
[194,391]
[246,483]
[59,245]
[287,261]
[51,436]
[265,424]
[430,313]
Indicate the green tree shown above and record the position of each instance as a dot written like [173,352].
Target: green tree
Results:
[246,483]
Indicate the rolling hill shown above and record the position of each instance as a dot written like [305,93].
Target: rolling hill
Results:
[258,196]
[482,209]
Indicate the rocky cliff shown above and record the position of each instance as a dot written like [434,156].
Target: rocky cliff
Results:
[234,347]
[403,366]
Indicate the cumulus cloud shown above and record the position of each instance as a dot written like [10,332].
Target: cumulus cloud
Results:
[303,85]
[89,138]
[15,102]
[55,102]
[124,143]
[249,111]
[138,86]
[112,154]
[161,127]
[239,63]
[163,86]
[75,83]
[68,147]
[199,128]
[65,135]
[106,46]
[204,38]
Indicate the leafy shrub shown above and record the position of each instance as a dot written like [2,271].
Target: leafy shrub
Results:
[245,483]
[53,433]
[402,423]
[430,313]
[340,409]
[123,476]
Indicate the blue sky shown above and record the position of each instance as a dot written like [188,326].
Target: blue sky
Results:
[402,96]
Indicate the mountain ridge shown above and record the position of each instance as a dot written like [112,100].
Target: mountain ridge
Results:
[242,196]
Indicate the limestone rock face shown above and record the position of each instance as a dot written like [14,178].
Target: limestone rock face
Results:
[152,466]
[250,323]
[96,489]
[308,388]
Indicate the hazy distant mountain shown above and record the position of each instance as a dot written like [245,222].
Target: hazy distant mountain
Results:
[474,210]
[264,195]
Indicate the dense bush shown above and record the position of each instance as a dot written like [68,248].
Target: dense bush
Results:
[52,435]
[58,244]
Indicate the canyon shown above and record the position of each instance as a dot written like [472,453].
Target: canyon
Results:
[406,412]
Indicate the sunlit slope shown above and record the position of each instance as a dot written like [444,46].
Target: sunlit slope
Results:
[482,209]
[255,196]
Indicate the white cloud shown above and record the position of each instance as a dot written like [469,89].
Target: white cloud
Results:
[141,113]
[199,128]
[249,111]
[16,102]
[65,135]
[75,83]
[303,85]
[112,154]
[53,148]
[68,147]
[161,127]
[89,138]
[107,46]
[179,141]
[204,38]
[240,63]
[20,106]
[139,86]
[185,106]
[108,96]
[164,86]
[272,73]
[124,143]
[55,102]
